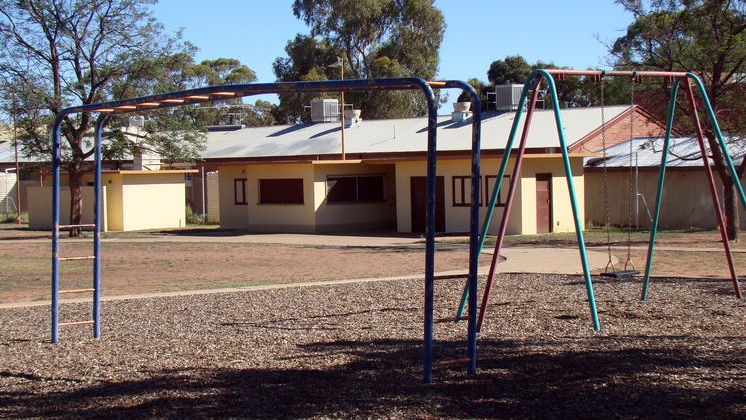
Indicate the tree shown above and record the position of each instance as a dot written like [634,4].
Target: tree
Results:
[512,70]
[59,53]
[706,37]
[374,38]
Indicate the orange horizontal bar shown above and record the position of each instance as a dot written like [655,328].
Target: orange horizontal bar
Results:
[436,83]
[452,362]
[64,292]
[150,104]
[224,93]
[91,257]
[198,97]
[126,107]
[67,324]
[104,110]
[173,101]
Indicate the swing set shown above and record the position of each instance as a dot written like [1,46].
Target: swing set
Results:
[531,90]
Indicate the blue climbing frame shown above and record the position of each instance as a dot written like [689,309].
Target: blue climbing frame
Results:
[216,93]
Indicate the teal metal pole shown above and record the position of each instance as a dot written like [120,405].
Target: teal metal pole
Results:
[573,200]
[496,190]
[661,178]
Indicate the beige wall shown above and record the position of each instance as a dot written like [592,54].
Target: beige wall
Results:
[522,219]
[131,201]
[686,201]
[150,201]
[354,216]
[40,207]
[562,215]
[316,215]
[232,216]
[257,217]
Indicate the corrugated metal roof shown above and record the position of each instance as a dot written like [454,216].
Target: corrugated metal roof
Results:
[401,135]
[646,152]
[390,136]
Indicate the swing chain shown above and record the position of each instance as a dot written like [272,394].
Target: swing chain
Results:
[629,179]
[610,262]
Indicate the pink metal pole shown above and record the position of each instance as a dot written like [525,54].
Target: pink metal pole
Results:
[508,203]
[711,184]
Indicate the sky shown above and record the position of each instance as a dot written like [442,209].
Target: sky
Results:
[569,33]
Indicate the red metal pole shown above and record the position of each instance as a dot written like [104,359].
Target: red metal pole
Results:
[711,184]
[508,203]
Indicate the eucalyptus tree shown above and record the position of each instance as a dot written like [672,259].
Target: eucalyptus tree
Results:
[708,38]
[60,53]
[372,38]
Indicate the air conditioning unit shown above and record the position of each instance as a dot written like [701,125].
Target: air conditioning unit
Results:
[507,97]
[325,110]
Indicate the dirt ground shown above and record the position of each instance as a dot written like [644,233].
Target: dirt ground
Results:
[354,350]
[135,263]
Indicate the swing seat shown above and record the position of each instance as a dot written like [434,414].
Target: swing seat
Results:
[621,273]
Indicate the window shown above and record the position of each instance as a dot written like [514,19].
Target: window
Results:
[354,189]
[281,191]
[504,187]
[462,191]
[239,191]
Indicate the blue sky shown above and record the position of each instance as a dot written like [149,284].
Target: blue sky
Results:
[567,33]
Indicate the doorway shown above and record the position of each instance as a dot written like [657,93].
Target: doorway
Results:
[418,188]
[543,203]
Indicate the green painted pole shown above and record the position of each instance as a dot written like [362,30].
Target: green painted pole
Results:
[661,178]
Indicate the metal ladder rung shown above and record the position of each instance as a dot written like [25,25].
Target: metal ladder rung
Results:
[82,226]
[69,291]
[452,362]
[451,276]
[87,257]
[451,319]
[68,324]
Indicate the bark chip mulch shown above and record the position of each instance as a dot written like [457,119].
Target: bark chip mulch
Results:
[355,351]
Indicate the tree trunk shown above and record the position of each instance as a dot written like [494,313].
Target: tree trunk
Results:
[76,198]
[732,215]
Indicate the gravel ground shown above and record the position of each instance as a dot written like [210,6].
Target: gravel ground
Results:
[354,351]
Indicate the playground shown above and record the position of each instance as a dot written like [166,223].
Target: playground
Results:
[347,349]
[351,349]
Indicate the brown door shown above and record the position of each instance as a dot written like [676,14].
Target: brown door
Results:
[543,203]
[419,204]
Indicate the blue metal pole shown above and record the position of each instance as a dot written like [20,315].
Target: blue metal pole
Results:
[661,179]
[432,123]
[476,109]
[97,230]
[56,228]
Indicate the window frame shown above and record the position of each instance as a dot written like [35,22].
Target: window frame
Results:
[239,195]
[503,191]
[357,199]
[281,191]
[463,182]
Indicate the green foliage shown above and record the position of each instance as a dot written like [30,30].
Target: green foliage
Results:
[374,38]
[706,37]
[513,69]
